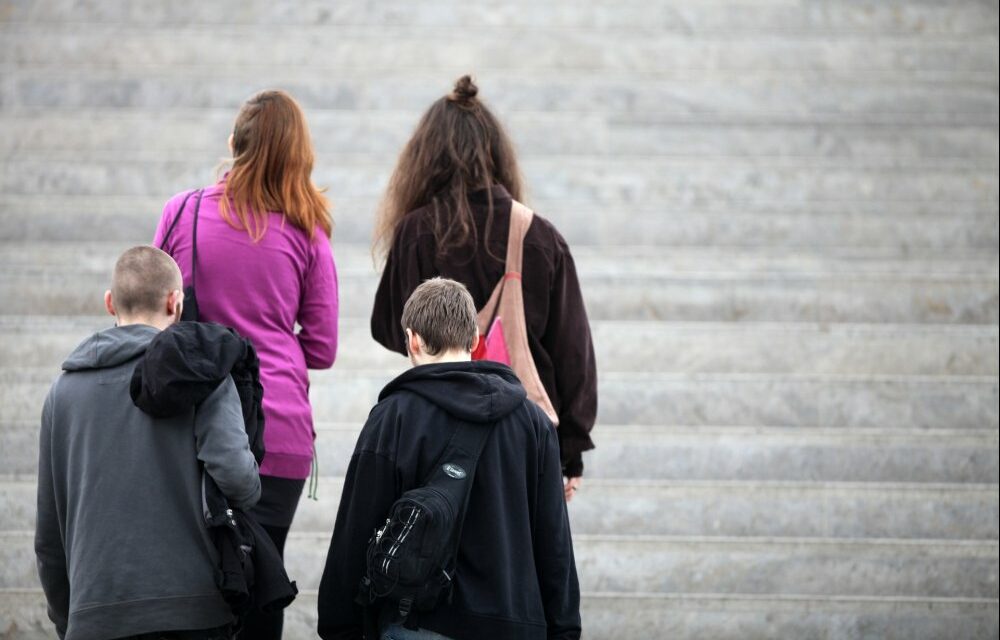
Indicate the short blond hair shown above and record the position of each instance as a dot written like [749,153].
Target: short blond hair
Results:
[143,278]
[441,311]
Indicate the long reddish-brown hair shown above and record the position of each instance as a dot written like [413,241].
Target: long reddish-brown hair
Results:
[272,168]
[458,147]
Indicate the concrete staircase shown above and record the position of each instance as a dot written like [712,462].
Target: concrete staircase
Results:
[785,216]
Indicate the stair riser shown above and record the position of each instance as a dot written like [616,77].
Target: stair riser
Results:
[628,618]
[364,49]
[712,457]
[667,566]
[694,97]
[921,403]
[336,132]
[572,181]
[661,16]
[693,510]
[24,219]
[649,347]
[682,297]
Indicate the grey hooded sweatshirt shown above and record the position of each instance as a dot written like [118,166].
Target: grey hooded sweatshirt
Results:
[121,541]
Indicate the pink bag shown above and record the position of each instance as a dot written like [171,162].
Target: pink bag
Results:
[502,327]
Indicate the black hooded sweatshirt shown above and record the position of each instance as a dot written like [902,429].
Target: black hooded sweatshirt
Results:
[516,575]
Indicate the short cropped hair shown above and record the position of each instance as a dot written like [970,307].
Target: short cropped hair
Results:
[441,311]
[143,278]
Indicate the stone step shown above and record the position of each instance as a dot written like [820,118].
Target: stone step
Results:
[625,284]
[925,402]
[379,49]
[702,453]
[695,347]
[355,261]
[699,508]
[748,295]
[596,182]
[57,134]
[900,227]
[662,564]
[666,564]
[608,615]
[557,154]
[860,17]
[967,98]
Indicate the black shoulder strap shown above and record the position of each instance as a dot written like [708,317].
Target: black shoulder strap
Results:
[194,240]
[194,232]
[455,470]
[180,212]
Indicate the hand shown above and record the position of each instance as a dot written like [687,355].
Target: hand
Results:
[571,486]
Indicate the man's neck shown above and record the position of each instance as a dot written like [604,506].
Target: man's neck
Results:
[159,323]
[452,355]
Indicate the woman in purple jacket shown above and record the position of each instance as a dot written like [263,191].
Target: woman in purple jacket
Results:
[263,266]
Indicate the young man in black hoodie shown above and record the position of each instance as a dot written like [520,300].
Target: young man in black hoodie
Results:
[515,576]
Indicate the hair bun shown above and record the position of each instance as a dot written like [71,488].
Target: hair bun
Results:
[465,90]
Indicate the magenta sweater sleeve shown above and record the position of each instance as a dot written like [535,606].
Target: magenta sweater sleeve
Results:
[319,308]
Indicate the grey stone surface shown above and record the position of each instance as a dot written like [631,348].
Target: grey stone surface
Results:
[784,215]
[363,49]
[712,453]
[931,402]
[937,402]
[685,96]
[704,565]
[646,183]
[903,227]
[696,347]
[609,616]
[814,17]
[674,295]
[643,262]
[692,508]
[337,134]
[663,564]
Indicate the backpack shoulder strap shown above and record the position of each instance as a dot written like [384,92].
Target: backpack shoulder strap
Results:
[455,471]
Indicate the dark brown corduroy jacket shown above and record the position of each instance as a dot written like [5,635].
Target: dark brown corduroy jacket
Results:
[558,331]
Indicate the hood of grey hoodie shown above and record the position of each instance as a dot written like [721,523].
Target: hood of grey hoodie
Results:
[110,348]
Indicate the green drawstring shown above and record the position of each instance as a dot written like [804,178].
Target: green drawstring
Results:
[314,477]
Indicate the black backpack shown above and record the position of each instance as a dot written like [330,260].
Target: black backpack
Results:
[411,558]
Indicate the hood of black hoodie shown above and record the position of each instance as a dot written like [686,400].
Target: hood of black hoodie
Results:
[110,348]
[480,391]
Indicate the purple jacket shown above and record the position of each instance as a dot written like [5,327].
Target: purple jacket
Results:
[262,290]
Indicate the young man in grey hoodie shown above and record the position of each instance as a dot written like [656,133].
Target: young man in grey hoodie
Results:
[121,541]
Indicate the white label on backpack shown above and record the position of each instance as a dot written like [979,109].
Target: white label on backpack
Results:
[453,470]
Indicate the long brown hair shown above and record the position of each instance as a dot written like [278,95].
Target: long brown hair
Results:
[459,147]
[272,168]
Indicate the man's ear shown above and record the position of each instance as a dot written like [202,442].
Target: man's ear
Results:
[412,342]
[109,304]
[175,304]
[475,341]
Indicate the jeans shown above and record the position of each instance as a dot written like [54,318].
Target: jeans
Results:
[399,632]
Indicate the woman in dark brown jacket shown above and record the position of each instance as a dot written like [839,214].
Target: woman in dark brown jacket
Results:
[446,213]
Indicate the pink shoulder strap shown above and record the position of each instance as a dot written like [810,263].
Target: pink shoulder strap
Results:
[507,303]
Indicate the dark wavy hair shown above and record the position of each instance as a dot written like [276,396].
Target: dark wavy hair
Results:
[458,147]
